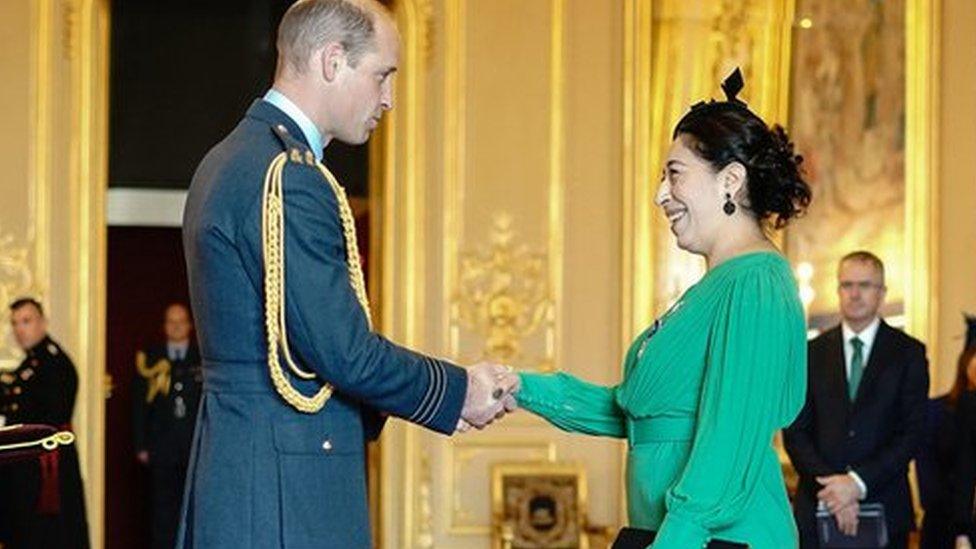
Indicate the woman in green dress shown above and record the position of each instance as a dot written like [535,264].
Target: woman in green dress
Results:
[706,387]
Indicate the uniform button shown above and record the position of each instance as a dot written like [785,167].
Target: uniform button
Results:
[178,386]
[850,433]
[327,445]
[282,128]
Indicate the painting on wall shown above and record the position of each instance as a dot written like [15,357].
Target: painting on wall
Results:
[847,119]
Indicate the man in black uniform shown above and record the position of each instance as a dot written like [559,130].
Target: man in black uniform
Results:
[166,396]
[44,504]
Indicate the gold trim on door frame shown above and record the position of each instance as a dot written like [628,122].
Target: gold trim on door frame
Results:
[922,55]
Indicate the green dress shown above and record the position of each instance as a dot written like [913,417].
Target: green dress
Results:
[704,391]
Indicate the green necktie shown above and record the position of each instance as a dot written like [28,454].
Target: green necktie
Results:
[857,367]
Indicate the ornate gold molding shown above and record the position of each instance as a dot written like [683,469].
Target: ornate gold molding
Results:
[922,65]
[504,297]
[425,14]
[455,134]
[557,183]
[398,256]
[455,176]
[69,29]
[732,45]
[638,180]
[425,534]
[88,176]
[16,280]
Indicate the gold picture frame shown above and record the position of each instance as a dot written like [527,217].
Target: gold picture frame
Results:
[539,505]
[881,87]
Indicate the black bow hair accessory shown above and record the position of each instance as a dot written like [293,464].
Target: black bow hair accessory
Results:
[970,330]
[732,86]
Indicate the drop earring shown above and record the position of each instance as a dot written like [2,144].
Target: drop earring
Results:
[729,206]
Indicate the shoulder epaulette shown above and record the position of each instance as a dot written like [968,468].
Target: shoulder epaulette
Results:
[297,151]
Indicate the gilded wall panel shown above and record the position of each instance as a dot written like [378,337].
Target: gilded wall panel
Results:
[503,256]
[54,63]
[18,211]
[476,255]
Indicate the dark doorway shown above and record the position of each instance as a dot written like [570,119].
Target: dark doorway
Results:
[146,272]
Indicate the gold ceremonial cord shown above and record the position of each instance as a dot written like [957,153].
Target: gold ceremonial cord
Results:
[158,377]
[61,438]
[273,243]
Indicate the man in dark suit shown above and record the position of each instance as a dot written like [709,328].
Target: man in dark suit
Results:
[865,411]
[43,499]
[166,395]
[295,379]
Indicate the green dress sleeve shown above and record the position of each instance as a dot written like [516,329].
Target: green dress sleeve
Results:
[753,384]
[572,404]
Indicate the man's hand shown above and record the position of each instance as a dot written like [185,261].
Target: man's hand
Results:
[839,492]
[847,519]
[962,542]
[489,396]
[508,403]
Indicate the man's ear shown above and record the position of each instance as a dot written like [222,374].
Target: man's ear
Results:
[332,57]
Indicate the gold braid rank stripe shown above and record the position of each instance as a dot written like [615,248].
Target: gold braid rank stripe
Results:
[158,377]
[49,443]
[273,243]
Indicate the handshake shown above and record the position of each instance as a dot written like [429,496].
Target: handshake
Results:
[491,394]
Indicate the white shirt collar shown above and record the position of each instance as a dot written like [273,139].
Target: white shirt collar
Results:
[866,335]
[177,349]
[311,132]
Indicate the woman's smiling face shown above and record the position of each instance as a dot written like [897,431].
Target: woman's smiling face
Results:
[691,197]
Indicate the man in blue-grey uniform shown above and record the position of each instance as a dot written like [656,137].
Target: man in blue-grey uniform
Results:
[295,380]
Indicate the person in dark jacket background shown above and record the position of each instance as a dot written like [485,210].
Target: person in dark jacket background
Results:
[936,460]
[865,412]
[166,396]
[43,500]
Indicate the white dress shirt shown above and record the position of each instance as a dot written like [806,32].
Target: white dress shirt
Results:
[177,351]
[866,336]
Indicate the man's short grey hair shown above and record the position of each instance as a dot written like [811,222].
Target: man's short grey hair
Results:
[864,256]
[309,24]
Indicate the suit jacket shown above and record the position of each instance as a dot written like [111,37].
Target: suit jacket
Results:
[875,436]
[261,473]
[164,426]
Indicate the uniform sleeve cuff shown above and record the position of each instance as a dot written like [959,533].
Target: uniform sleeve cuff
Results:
[449,386]
[678,532]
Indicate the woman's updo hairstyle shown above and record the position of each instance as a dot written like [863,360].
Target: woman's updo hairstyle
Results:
[722,132]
